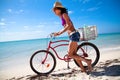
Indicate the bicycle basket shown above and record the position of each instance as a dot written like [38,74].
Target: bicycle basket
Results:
[88,33]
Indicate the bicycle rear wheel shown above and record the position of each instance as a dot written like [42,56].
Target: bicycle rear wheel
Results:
[92,53]
[42,62]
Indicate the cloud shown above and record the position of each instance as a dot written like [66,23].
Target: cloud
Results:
[85,1]
[40,26]
[99,3]
[12,22]
[2,19]
[11,36]
[26,27]
[93,9]
[15,12]
[2,24]
[40,30]
[19,11]
[82,1]
[34,27]
[70,12]
[10,10]
[56,23]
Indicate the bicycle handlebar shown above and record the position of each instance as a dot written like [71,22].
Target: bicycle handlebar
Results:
[52,36]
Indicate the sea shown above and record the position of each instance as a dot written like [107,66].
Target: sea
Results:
[13,54]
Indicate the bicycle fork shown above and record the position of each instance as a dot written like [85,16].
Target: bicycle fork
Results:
[45,58]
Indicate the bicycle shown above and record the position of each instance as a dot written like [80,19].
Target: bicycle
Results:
[43,62]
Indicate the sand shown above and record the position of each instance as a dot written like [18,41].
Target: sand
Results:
[108,68]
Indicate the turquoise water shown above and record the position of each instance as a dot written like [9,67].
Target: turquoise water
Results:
[20,51]
[108,40]
[27,47]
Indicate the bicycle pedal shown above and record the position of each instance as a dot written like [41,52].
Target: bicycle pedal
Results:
[48,65]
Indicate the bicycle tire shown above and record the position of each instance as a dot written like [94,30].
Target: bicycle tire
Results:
[97,53]
[38,52]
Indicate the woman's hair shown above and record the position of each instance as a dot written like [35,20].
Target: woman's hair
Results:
[63,10]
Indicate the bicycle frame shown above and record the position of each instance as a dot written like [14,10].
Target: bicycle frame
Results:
[53,48]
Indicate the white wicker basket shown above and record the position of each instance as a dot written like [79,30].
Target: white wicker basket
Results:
[88,33]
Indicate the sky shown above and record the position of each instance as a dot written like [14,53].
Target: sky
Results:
[31,19]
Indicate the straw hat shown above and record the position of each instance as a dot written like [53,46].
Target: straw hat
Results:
[57,4]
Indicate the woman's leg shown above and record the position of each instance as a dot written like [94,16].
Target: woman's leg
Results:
[72,49]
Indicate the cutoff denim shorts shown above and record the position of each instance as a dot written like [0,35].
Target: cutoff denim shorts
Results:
[75,37]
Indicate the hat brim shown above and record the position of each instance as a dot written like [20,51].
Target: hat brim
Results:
[57,7]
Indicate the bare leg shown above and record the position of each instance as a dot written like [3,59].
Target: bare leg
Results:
[89,65]
[72,48]
[81,65]
[78,60]
[72,53]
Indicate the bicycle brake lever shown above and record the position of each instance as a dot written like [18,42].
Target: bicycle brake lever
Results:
[51,35]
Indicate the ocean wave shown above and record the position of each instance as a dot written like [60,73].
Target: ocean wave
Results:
[110,48]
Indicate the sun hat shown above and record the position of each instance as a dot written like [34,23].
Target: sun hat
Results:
[57,4]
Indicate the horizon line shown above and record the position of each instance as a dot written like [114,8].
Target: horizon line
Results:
[46,37]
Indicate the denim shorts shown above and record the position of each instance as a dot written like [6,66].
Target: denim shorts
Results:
[75,37]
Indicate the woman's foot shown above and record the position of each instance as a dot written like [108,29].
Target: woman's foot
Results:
[83,70]
[89,65]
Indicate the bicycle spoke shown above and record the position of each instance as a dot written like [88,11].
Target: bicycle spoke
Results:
[42,62]
[91,50]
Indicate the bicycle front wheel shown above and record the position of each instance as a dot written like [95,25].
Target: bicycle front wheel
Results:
[91,51]
[42,62]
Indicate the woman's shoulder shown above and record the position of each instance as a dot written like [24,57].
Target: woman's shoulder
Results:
[65,15]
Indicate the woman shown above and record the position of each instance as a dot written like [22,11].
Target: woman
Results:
[74,36]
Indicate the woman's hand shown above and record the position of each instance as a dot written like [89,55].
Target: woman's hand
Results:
[56,34]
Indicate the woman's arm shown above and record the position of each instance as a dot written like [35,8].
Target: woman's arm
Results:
[67,25]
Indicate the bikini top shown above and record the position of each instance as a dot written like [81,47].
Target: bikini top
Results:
[63,21]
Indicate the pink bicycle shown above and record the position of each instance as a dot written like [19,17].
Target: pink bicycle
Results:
[43,62]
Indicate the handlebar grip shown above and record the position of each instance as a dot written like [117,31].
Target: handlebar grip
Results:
[52,35]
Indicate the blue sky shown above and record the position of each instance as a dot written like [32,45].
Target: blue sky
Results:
[30,19]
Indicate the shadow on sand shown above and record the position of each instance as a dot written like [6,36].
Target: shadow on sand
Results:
[106,69]
[113,70]
[55,76]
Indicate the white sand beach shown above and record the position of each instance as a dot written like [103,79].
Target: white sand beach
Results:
[108,68]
